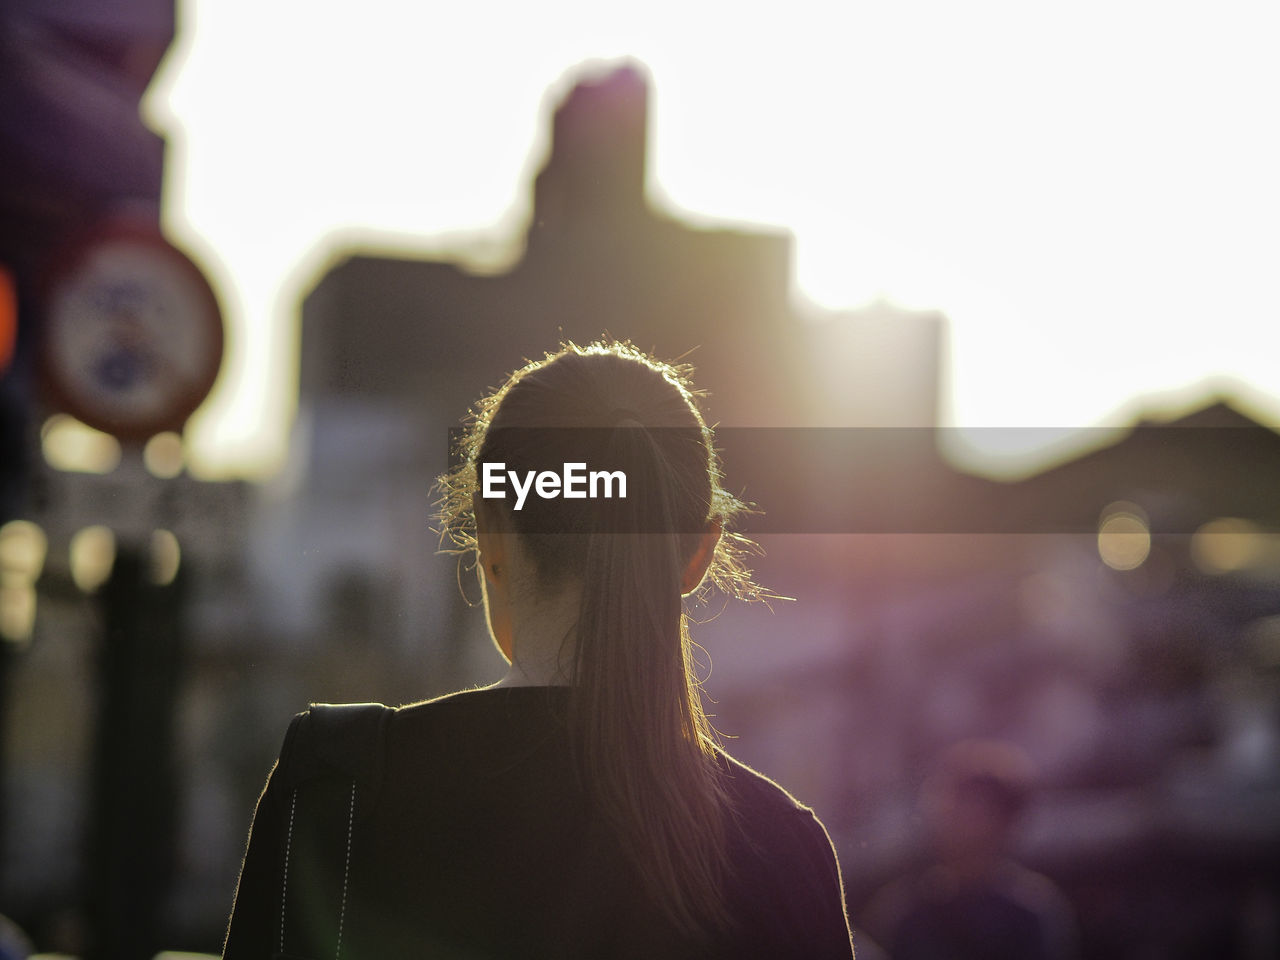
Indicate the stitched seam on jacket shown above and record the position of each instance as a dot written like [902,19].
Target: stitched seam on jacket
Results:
[346,870]
[284,885]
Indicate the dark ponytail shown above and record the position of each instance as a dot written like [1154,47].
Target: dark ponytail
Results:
[642,742]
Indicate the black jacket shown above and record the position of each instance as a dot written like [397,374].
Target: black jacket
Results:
[475,841]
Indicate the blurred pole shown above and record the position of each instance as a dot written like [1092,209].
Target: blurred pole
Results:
[16,362]
[133,826]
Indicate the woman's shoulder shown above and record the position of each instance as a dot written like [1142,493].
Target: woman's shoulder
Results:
[490,701]
[760,793]
[487,726]
[445,701]
[777,830]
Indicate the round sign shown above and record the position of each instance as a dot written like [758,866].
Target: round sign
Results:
[132,332]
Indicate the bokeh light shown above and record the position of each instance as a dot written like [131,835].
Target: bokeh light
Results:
[166,556]
[1124,538]
[93,554]
[163,455]
[17,611]
[71,445]
[1227,545]
[22,549]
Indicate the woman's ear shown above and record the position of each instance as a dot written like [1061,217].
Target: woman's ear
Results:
[490,542]
[696,569]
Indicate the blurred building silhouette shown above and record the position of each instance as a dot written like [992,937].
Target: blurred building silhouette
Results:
[597,258]
[394,350]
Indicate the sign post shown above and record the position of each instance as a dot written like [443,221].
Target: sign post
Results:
[132,344]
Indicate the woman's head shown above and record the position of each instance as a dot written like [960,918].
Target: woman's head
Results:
[606,405]
[641,738]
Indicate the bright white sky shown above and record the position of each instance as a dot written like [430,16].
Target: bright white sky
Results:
[1088,190]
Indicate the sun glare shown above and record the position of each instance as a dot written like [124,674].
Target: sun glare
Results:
[1086,192]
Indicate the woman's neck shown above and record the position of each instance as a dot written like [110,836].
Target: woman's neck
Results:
[542,639]
[527,672]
